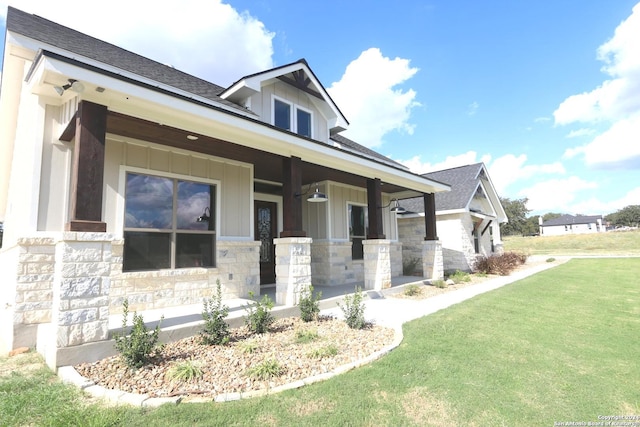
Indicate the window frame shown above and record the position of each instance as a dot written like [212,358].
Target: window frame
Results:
[293,116]
[174,231]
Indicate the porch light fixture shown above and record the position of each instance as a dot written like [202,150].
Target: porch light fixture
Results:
[396,207]
[205,217]
[74,85]
[316,196]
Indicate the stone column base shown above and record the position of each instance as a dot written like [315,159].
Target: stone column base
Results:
[432,262]
[293,269]
[377,264]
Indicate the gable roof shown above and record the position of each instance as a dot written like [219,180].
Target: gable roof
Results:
[465,182]
[572,220]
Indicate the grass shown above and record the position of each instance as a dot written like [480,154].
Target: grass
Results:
[557,346]
[610,243]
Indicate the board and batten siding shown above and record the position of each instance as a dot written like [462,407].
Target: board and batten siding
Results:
[235,182]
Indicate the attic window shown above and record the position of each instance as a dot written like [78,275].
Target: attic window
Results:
[292,117]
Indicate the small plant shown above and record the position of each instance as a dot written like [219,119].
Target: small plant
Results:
[215,330]
[551,259]
[412,290]
[137,348]
[502,264]
[460,277]
[306,336]
[441,284]
[259,316]
[186,371]
[266,370]
[309,305]
[353,310]
[249,347]
[322,352]
[409,266]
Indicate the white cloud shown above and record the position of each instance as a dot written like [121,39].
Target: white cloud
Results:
[416,165]
[208,39]
[581,132]
[473,108]
[509,168]
[368,96]
[615,101]
[556,195]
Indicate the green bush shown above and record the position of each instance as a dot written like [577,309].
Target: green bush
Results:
[441,284]
[259,317]
[309,304]
[306,336]
[322,352]
[412,290]
[460,277]
[215,330]
[502,264]
[353,310]
[138,348]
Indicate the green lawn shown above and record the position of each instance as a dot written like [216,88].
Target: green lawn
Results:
[611,243]
[558,346]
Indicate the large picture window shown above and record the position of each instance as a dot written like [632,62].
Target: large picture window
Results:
[292,117]
[358,227]
[168,223]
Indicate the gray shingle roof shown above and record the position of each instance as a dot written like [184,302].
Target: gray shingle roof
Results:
[463,181]
[571,220]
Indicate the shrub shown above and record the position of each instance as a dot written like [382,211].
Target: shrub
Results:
[309,305]
[185,371]
[259,316]
[412,290]
[551,259]
[322,352]
[441,284]
[215,330]
[353,310]
[502,264]
[266,370]
[138,348]
[409,266]
[460,277]
[249,347]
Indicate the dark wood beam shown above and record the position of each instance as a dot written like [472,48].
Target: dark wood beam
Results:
[430,216]
[302,85]
[374,202]
[485,229]
[291,198]
[88,168]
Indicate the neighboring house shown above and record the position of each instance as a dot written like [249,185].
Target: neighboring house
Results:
[468,218]
[570,224]
[121,178]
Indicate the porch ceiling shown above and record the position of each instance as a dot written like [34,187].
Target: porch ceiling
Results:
[267,166]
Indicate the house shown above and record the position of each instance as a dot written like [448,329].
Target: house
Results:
[571,224]
[121,177]
[468,219]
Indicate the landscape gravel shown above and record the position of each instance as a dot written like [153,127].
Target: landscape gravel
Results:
[227,368]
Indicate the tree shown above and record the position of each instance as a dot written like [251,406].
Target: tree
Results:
[628,216]
[516,211]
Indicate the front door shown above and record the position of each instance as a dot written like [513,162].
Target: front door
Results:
[266,229]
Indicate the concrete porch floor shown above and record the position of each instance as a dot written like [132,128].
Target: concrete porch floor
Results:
[188,317]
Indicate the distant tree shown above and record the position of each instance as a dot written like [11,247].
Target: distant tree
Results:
[551,215]
[517,212]
[531,226]
[628,216]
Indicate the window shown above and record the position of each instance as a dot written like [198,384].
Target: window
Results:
[476,237]
[358,228]
[284,118]
[168,223]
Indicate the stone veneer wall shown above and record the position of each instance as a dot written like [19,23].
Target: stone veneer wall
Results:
[411,232]
[331,264]
[238,269]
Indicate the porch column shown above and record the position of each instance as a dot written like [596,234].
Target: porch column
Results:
[291,198]
[374,203]
[430,216]
[293,269]
[80,300]
[377,264]
[88,168]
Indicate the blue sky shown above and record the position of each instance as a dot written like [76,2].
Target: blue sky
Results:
[546,93]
